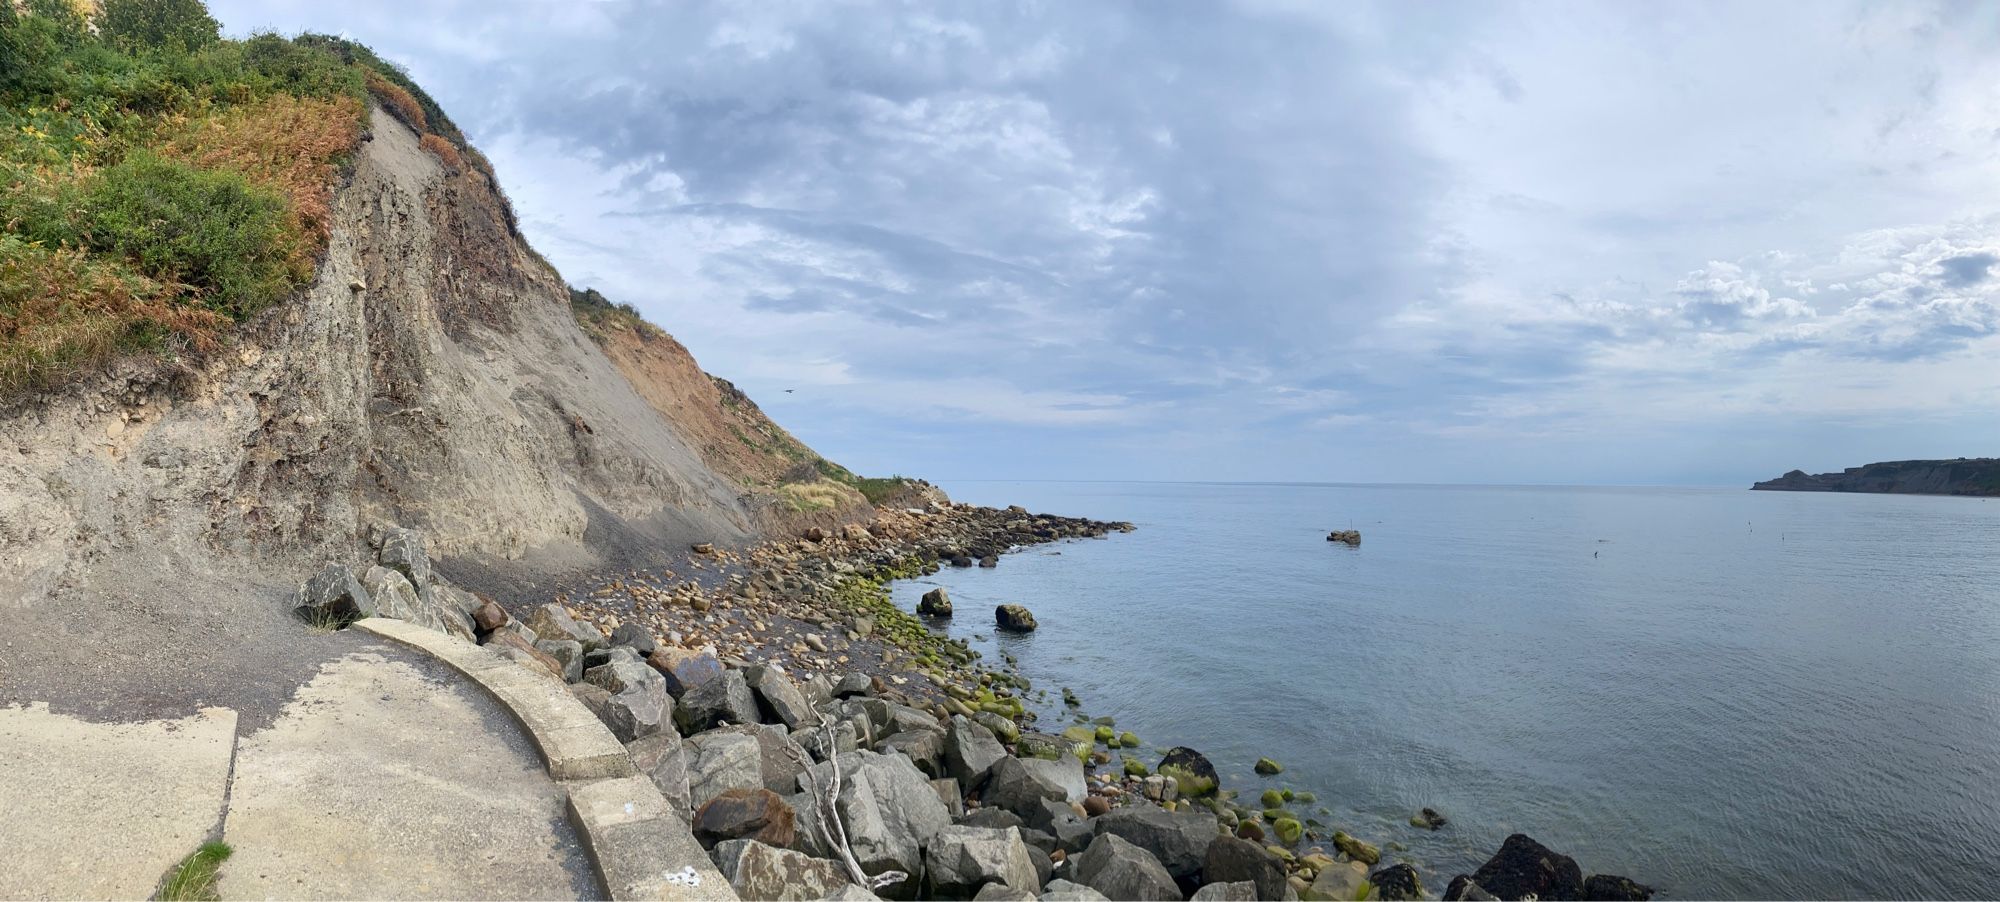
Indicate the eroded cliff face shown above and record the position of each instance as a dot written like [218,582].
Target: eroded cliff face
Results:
[1964,476]
[432,376]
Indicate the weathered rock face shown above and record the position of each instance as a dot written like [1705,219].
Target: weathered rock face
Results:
[403,551]
[725,699]
[780,698]
[1014,618]
[1122,870]
[1179,839]
[636,638]
[970,751]
[552,621]
[1523,867]
[1020,784]
[759,871]
[334,595]
[758,814]
[663,758]
[888,808]
[962,860]
[1964,476]
[639,705]
[722,761]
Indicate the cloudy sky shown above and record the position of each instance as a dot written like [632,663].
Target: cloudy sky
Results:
[1269,239]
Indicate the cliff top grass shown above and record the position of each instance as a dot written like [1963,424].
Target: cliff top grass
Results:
[159,183]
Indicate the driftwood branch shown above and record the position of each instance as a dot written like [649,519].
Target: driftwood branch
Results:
[836,837]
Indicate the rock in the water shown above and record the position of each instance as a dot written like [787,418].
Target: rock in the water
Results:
[403,551]
[684,668]
[758,871]
[990,561]
[639,704]
[1462,889]
[1179,839]
[1242,891]
[664,759]
[1366,853]
[960,860]
[636,638]
[1122,870]
[758,814]
[1231,860]
[1524,866]
[1349,536]
[724,699]
[1339,882]
[1613,888]
[1018,784]
[333,595]
[1193,776]
[1397,883]
[1060,890]
[1288,829]
[935,603]
[781,698]
[1428,819]
[568,652]
[1268,767]
[1014,617]
[889,810]
[552,621]
[970,751]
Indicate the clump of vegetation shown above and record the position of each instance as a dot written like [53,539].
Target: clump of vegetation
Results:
[159,183]
[601,317]
[194,879]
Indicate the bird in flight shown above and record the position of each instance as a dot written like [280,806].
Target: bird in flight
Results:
[790,390]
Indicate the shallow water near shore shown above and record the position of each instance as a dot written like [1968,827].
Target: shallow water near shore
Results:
[1718,692]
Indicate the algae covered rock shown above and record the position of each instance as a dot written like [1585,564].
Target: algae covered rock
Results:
[1400,883]
[1014,618]
[1356,849]
[1267,767]
[1288,830]
[1190,770]
[935,603]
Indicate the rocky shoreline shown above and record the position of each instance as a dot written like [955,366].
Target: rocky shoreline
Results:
[823,743]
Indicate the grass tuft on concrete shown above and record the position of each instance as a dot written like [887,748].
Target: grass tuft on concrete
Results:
[194,879]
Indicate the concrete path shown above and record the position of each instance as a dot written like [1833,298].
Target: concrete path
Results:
[102,810]
[381,781]
[386,775]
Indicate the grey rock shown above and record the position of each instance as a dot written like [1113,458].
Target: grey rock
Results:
[569,652]
[1060,890]
[779,759]
[552,621]
[815,740]
[1000,892]
[683,668]
[818,691]
[1122,870]
[1179,839]
[1340,880]
[663,758]
[853,684]
[1014,618]
[970,751]
[1017,784]
[453,606]
[889,810]
[403,551]
[1072,831]
[721,761]
[851,893]
[999,818]
[333,593]
[935,603]
[635,637]
[1233,860]
[726,699]
[395,597]
[781,698]
[952,797]
[1240,891]
[757,871]
[639,705]
[960,860]
[924,748]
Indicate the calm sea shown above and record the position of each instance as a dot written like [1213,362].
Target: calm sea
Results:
[1719,692]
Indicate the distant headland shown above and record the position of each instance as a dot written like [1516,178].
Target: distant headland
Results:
[1960,476]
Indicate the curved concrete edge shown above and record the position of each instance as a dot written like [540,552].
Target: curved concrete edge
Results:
[574,744]
[639,846]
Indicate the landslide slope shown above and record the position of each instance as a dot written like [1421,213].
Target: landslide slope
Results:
[155,512]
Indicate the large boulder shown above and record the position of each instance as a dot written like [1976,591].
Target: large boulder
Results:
[1122,870]
[453,606]
[1241,891]
[924,748]
[553,621]
[685,668]
[663,758]
[1523,867]
[1060,890]
[970,751]
[726,699]
[1193,776]
[635,637]
[511,644]
[758,871]
[333,596]
[1400,883]
[1363,852]
[780,698]
[639,704]
[1070,832]
[568,652]
[780,759]
[935,603]
[1018,784]
[888,808]
[1179,839]
[1014,618]
[403,551]
[1341,881]
[394,596]
[961,860]
[722,761]
[1613,888]
[1231,860]
[758,814]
